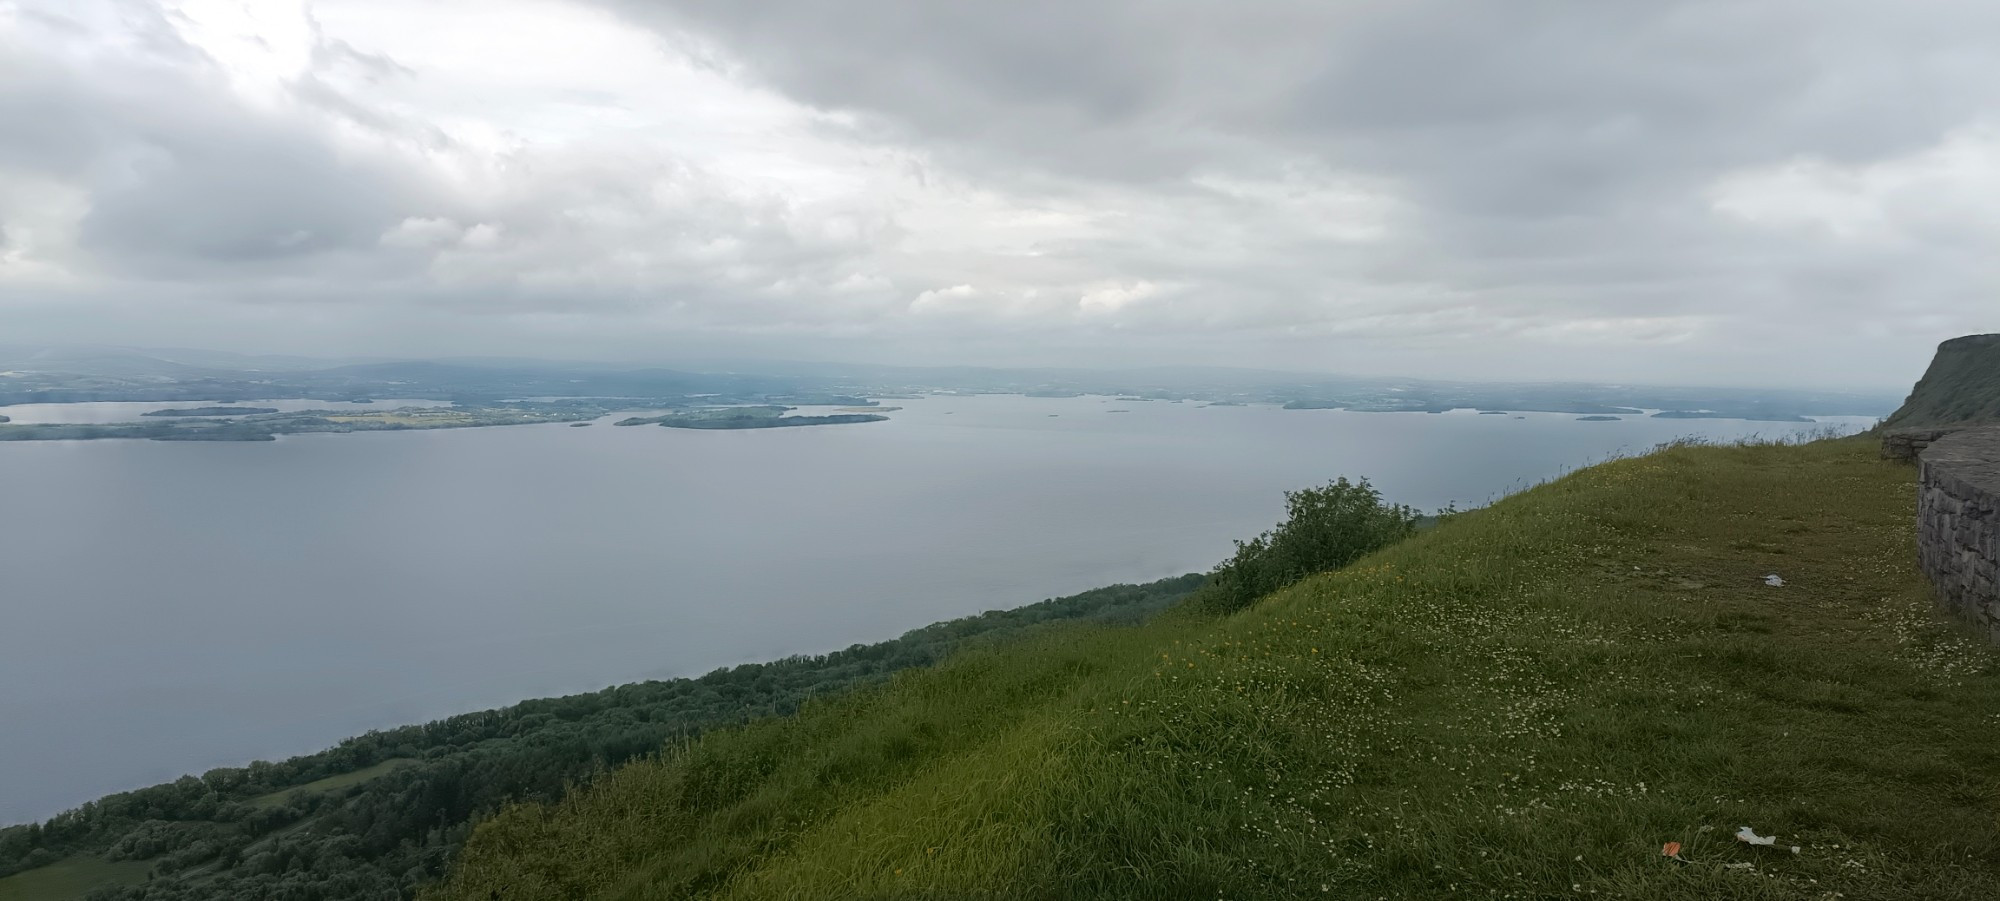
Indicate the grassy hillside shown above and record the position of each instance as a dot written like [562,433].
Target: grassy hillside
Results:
[1525,702]
[376,816]
[1961,385]
[74,877]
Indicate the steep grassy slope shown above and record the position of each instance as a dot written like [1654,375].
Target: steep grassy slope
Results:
[1526,702]
[1961,385]
[375,816]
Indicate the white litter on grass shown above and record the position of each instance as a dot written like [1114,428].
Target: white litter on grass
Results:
[1773,581]
[1749,836]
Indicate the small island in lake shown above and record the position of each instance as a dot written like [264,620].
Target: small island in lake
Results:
[214,411]
[751,417]
[1597,419]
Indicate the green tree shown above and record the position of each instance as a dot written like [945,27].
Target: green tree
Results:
[1325,528]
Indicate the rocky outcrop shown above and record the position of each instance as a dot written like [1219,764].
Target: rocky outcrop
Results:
[1958,523]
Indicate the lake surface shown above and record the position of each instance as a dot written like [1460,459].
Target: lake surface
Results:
[168,607]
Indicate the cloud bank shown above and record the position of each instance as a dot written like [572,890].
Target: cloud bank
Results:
[1704,191]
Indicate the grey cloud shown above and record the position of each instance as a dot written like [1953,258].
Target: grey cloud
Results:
[1552,85]
[1483,114]
[231,197]
[181,180]
[1252,179]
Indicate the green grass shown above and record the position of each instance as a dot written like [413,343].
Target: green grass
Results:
[1524,702]
[71,878]
[330,783]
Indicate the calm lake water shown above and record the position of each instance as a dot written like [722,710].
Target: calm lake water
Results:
[170,607]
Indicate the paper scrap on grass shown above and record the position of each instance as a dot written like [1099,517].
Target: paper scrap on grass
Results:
[1748,835]
[1774,581]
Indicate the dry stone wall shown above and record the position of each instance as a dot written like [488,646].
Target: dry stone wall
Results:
[1958,523]
[1906,444]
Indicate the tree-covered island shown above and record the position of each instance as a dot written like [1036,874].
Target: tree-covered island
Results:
[213,411]
[762,416]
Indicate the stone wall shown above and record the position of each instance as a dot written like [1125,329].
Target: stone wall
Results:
[1958,523]
[1906,444]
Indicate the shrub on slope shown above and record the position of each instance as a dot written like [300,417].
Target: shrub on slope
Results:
[1325,528]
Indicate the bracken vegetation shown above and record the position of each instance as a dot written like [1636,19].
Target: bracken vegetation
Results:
[1528,701]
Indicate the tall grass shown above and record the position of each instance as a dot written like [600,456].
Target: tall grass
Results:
[1525,702]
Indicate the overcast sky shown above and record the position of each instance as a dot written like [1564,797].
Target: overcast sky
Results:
[1713,192]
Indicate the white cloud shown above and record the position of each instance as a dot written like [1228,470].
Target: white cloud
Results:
[259,46]
[1112,298]
[420,233]
[1952,186]
[936,300]
[481,237]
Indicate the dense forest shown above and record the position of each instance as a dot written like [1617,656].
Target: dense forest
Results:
[382,813]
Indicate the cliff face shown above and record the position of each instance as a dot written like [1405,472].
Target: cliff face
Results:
[1961,386]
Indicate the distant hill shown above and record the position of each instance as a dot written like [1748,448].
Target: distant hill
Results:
[1962,385]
